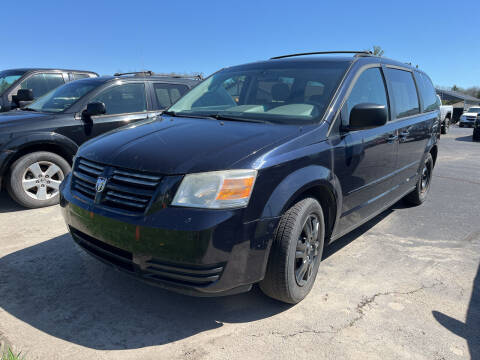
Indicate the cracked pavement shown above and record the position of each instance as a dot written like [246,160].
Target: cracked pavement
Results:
[403,286]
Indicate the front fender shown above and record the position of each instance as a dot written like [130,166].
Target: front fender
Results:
[299,182]
[20,143]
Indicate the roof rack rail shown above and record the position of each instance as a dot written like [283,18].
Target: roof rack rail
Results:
[136,73]
[357,53]
[176,76]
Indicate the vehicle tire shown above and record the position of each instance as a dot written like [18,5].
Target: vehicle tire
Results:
[296,253]
[460,124]
[35,178]
[419,195]
[446,126]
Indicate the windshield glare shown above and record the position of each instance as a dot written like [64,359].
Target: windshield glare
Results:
[63,97]
[474,110]
[7,78]
[280,93]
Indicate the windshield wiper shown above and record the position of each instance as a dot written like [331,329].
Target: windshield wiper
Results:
[235,118]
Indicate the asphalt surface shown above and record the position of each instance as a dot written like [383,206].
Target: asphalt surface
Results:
[404,286]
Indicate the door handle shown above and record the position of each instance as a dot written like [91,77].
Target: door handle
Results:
[392,138]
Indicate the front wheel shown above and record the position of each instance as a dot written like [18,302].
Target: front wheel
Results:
[35,179]
[296,253]
[419,195]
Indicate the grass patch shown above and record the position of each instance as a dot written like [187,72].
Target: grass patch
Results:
[10,355]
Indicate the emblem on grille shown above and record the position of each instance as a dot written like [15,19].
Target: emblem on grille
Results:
[100,186]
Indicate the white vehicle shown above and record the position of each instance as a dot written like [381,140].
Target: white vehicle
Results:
[468,117]
[446,113]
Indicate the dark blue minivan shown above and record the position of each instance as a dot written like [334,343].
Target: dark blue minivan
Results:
[248,176]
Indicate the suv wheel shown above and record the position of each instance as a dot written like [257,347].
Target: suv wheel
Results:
[296,253]
[419,195]
[446,126]
[35,179]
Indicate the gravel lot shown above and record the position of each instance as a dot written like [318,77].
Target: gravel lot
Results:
[404,286]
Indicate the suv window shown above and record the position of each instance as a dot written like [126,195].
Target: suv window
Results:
[369,88]
[126,98]
[427,92]
[167,94]
[404,92]
[77,76]
[42,83]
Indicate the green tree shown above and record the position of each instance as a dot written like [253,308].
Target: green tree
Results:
[377,50]
[455,88]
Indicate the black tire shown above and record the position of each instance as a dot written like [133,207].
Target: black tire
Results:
[460,124]
[419,195]
[284,280]
[20,173]
[446,126]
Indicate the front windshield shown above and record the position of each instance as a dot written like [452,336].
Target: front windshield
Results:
[64,96]
[474,110]
[276,92]
[8,77]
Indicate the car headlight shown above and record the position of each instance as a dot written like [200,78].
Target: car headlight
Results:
[216,189]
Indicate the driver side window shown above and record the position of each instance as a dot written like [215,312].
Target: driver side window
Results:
[121,99]
[369,88]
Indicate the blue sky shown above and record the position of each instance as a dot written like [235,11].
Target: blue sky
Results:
[442,37]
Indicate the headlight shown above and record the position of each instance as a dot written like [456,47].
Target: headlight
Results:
[216,189]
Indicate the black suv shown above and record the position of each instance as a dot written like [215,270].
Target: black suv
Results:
[249,175]
[20,86]
[38,142]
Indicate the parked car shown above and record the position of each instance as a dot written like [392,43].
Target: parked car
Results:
[476,129]
[446,115]
[249,175]
[37,143]
[19,87]
[468,118]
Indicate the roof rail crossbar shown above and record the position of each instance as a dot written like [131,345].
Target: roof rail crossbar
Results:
[357,53]
[141,73]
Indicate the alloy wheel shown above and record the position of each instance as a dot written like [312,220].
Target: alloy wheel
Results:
[307,250]
[41,180]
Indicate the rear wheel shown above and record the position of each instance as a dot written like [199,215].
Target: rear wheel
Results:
[419,195]
[296,253]
[35,179]
[446,126]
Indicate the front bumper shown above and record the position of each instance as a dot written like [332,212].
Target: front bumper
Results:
[192,251]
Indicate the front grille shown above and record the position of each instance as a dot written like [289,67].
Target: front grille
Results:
[152,269]
[471,118]
[126,190]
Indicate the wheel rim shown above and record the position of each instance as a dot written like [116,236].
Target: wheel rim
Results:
[307,250]
[41,180]
[425,179]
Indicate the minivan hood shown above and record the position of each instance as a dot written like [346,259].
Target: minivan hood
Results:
[184,145]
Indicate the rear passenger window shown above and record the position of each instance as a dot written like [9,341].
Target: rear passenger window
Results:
[42,83]
[167,94]
[369,88]
[404,92]
[427,92]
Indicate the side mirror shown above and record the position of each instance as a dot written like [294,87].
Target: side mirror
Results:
[25,95]
[93,109]
[367,116]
